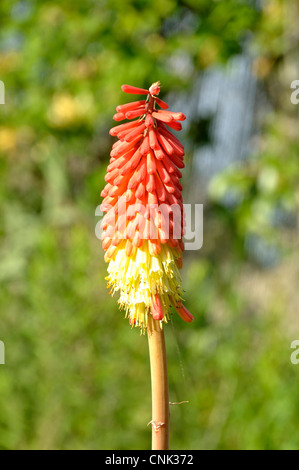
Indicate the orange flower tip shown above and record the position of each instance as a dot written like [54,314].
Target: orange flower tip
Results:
[106,243]
[179,116]
[123,108]
[154,247]
[137,241]
[110,252]
[104,193]
[129,195]
[149,122]
[157,310]
[173,243]
[134,114]
[161,103]
[177,126]
[162,117]
[154,89]
[157,316]
[134,90]
[169,117]
[119,117]
[129,248]
[104,207]
[184,313]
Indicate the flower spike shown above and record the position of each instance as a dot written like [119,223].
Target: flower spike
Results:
[144,222]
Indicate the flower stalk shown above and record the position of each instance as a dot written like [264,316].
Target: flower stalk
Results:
[159,384]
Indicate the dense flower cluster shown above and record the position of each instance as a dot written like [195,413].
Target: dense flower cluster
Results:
[144,221]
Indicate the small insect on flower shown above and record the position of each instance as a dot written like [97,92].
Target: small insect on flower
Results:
[144,222]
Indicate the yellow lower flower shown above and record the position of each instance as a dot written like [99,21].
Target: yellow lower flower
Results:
[141,277]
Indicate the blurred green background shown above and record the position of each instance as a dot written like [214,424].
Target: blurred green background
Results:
[76,375]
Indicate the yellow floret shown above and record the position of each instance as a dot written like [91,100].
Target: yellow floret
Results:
[141,275]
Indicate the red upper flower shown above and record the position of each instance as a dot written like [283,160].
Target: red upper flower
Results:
[144,166]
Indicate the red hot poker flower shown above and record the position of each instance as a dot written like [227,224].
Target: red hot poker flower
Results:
[144,222]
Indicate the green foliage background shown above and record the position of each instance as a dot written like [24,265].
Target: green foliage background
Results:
[77,377]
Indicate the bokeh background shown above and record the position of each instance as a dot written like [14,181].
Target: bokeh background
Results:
[76,375]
